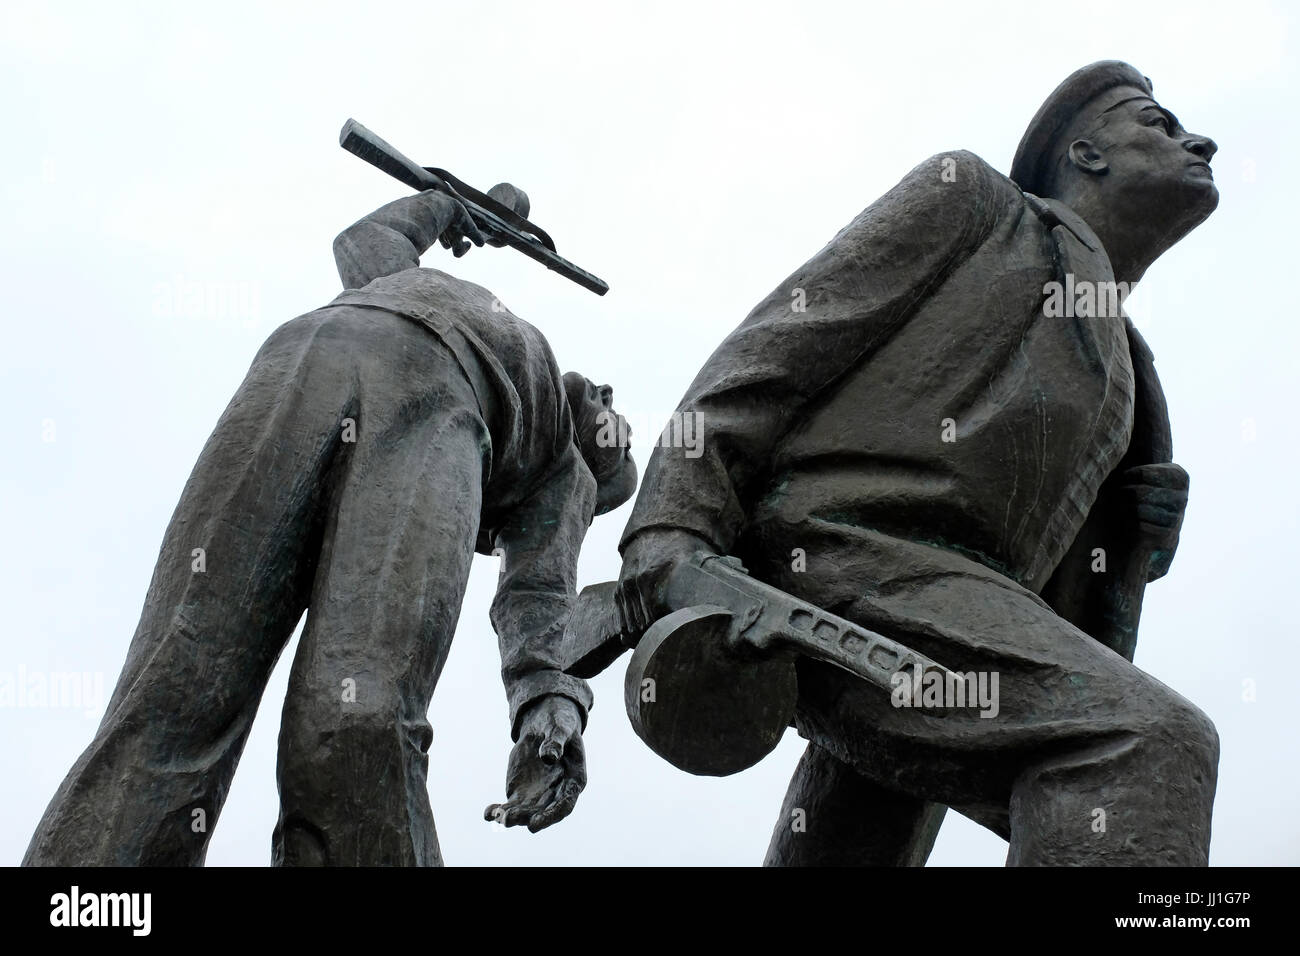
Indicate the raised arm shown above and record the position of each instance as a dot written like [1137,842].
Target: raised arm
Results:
[393,237]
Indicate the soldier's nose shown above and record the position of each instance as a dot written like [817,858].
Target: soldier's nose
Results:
[1202,146]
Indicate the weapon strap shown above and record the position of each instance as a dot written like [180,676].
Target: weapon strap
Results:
[487,202]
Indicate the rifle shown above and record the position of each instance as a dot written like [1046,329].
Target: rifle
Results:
[720,668]
[491,216]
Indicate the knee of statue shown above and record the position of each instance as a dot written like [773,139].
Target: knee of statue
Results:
[1197,733]
[1176,724]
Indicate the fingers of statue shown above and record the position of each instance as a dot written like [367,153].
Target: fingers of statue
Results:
[1155,506]
[648,563]
[561,797]
[643,565]
[530,788]
[467,227]
[461,230]
[551,749]
[1157,498]
[630,613]
[547,769]
[1161,515]
[1161,475]
[508,814]
[541,808]
[559,809]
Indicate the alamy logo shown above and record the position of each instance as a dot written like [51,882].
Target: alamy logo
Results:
[684,430]
[77,690]
[1085,299]
[102,909]
[947,689]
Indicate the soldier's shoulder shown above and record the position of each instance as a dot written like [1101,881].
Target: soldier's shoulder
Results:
[959,172]
[479,308]
[438,284]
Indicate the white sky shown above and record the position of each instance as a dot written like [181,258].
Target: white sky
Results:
[692,155]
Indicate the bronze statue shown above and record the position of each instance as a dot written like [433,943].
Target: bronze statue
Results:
[911,432]
[373,447]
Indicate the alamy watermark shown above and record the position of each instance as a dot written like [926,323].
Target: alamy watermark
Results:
[684,430]
[75,908]
[946,689]
[1085,299]
[183,298]
[73,690]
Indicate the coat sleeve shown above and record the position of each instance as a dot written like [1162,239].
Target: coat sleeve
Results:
[540,540]
[391,239]
[823,320]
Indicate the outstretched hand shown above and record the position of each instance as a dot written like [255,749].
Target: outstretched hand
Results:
[547,769]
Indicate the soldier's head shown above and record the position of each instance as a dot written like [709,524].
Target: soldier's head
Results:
[602,435]
[1102,145]
[512,197]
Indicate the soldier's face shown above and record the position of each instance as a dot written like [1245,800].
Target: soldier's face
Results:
[1159,170]
[606,448]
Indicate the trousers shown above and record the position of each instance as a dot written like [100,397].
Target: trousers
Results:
[344,479]
[1087,761]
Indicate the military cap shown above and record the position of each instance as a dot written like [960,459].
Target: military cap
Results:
[1036,155]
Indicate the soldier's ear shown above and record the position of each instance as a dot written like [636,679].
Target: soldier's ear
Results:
[1085,156]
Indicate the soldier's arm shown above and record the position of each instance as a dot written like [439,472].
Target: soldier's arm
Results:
[393,237]
[820,322]
[540,541]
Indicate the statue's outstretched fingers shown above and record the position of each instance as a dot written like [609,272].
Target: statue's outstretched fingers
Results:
[558,810]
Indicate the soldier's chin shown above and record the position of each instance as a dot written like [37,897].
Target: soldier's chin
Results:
[1201,196]
[618,488]
[1199,179]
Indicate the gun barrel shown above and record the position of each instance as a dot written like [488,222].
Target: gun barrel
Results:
[361,142]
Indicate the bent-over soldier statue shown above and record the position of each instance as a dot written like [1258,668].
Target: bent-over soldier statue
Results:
[373,447]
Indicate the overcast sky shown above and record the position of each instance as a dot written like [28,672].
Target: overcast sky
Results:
[172,183]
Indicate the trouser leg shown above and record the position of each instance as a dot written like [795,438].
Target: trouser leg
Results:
[1089,761]
[1082,758]
[149,788]
[834,816]
[1143,798]
[354,735]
